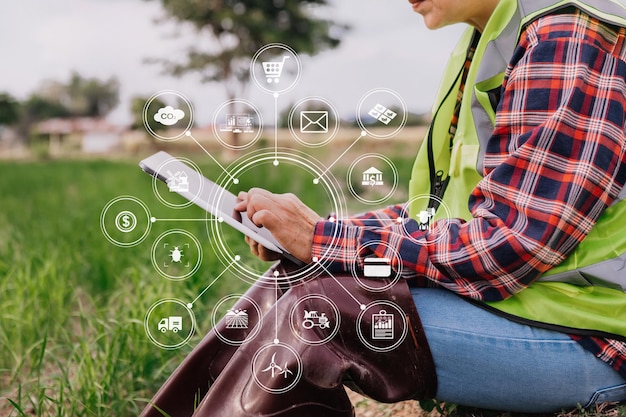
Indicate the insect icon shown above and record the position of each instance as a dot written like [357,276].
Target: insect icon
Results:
[176,254]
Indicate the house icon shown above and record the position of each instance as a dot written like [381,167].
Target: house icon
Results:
[372,177]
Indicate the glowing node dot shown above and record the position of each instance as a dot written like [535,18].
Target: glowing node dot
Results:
[190,305]
[331,219]
[315,259]
[276,162]
[220,219]
[363,133]
[276,95]
[399,220]
[188,133]
[276,273]
[237,258]
[363,306]
[152,219]
[276,341]
[235,181]
[316,181]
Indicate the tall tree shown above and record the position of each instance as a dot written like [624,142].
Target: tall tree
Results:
[236,29]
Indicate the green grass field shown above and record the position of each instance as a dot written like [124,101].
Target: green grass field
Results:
[72,341]
[73,304]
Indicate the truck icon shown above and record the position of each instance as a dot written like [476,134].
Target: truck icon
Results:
[312,319]
[173,323]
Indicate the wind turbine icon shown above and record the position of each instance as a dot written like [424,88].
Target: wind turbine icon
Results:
[273,367]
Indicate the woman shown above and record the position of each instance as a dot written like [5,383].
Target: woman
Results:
[525,163]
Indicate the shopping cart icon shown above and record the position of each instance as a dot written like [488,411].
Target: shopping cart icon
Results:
[274,69]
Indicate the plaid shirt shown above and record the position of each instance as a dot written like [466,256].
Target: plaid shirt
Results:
[555,161]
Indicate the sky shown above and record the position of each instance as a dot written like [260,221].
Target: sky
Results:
[388,47]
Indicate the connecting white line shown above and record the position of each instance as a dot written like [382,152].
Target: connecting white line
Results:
[188,133]
[363,133]
[190,305]
[276,129]
[349,219]
[361,305]
[276,341]
[212,219]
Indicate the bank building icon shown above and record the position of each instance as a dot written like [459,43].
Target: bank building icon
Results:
[372,177]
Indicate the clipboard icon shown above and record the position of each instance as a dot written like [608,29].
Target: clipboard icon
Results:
[314,121]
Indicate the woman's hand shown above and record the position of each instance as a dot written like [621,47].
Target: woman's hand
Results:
[291,222]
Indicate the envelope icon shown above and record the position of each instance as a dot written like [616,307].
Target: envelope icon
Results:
[313,121]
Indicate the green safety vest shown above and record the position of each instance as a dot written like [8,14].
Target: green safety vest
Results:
[585,293]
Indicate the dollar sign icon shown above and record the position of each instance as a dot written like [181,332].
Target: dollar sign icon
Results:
[125,221]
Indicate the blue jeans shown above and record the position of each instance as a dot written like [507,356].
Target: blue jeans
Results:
[483,360]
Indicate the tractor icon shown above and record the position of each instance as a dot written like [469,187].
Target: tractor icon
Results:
[312,319]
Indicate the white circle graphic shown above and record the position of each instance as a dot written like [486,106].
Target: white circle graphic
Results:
[379,270]
[379,110]
[371,180]
[238,323]
[134,210]
[383,337]
[169,325]
[176,254]
[272,68]
[424,223]
[237,118]
[314,121]
[276,369]
[322,320]
[303,161]
[193,182]
[168,115]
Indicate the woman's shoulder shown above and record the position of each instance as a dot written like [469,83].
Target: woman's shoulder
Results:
[573,25]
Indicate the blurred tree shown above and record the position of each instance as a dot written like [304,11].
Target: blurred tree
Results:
[9,110]
[90,97]
[79,97]
[137,106]
[237,29]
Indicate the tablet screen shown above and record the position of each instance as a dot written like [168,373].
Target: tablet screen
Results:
[189,183]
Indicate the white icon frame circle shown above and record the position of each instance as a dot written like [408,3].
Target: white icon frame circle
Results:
[400,338]
[332,305]
[156,264]
[103,219]
[323,177]
[216,130]
[387,196]
[146,116]
[296,377]
[149,333]
[364,127]
[255,330]
[441,231]
[126,213]
[329,137]
[355,270]
[262,85]
[156,181]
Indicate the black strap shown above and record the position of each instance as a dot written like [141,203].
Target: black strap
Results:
[438,185]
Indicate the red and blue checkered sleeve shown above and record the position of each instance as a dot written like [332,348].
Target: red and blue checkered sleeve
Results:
[555,161]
